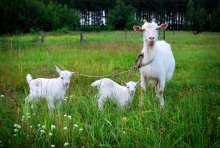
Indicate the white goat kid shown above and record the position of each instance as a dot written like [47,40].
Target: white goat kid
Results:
[50,89]
[158,63]
[109,89]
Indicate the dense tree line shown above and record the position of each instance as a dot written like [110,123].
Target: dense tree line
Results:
[48,15]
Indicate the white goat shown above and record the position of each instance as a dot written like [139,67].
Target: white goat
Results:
[158,63]
[50,89]
[109,89]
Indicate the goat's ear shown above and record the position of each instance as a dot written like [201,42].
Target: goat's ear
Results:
[139,82]
[57,69]
[75,73]
[137,28]
[162,26]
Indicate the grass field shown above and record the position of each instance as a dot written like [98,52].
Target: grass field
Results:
[192,111]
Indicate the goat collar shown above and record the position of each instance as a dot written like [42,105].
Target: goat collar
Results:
[145,64]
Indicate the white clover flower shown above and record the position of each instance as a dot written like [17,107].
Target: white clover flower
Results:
[80,129]
[123,132]
[34,114]
[43,127]
[52,145]
[2,96]
[15,135]
[50,134]
[65,128]
[17,126]
[30,126]
[38,125]
[16,130]
[124,118]
[75,125]
[218,118]
[52,127]
[71,96]
[66,97]
[42,131]
[69,117]
[66,143]
[65,115]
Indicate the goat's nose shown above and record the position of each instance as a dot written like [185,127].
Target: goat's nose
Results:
[66,83]
[151,38]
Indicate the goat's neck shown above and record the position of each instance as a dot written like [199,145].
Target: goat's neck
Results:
[148,51]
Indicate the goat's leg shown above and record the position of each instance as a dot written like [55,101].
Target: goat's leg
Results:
[157,86]
[161,91]
[143,92]
[59,103]
[101,102]
[51,104]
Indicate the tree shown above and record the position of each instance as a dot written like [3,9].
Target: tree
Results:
[190,15]
[215,19]
[121,16]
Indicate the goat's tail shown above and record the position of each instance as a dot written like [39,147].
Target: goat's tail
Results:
[28,78]
[96,83]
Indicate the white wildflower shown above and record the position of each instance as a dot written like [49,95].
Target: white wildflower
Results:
[15,135]
[30,126]
[65,115]
[66,143]
[38,125]
[0,141]
[124,118]
[65,128]
[2,96]
[75,125]
[66,97]
[52,145]
[69,117]
[71,96]
[15,130]
[43,127]
[34,114]
[80,129]
[218,118]
[50,134]
[42,131]
[52,127]
[123,132]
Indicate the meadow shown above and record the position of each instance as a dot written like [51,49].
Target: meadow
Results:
[192,112]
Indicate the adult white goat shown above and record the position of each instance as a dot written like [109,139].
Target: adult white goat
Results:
[109,89]
[158,63]
[50,89]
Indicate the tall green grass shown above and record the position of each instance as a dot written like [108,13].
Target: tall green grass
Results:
[191,117]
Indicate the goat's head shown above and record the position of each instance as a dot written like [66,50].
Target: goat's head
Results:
[150,30]
[65,76]
[132,87]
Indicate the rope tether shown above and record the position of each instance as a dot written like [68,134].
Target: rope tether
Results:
[110,75]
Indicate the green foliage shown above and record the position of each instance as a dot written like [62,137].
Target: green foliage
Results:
[26,15]
[121,16]
[215,19]
[196,17]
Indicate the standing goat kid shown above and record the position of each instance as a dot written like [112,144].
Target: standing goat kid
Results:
[109,89]
[158,63]
[50,89]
